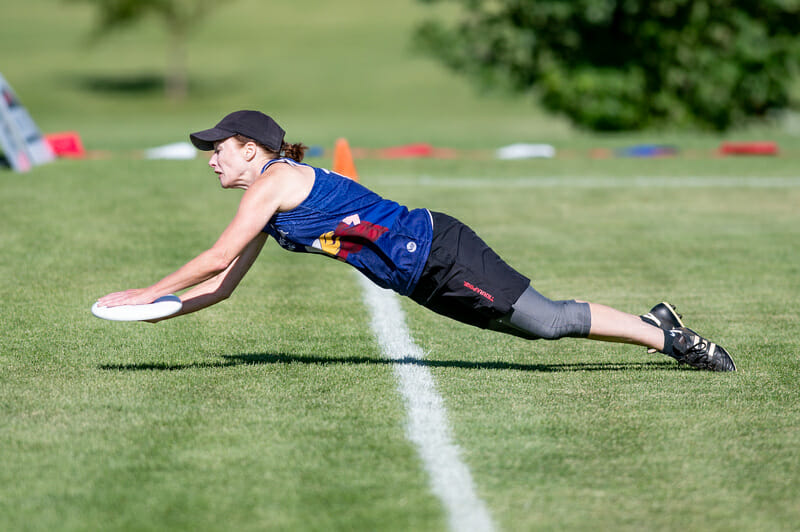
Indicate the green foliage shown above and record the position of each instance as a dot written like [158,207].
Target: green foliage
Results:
[178,17]
[177,14]
[627,64]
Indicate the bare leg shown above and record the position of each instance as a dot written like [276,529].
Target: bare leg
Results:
[611,325]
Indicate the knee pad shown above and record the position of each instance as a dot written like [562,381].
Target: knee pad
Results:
[540,317]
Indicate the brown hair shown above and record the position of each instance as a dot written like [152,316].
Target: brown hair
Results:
[295,152]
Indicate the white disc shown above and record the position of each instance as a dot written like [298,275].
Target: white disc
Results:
[160,308]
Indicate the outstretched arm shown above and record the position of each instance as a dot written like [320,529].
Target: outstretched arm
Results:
[257,206]
[279,189]
[222,285]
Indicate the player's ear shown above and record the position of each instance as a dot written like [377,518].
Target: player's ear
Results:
[250,150]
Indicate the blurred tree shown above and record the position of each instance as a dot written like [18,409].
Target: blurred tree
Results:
[178,16]
[630,64]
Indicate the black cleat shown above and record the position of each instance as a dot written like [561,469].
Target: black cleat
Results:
[691,348]
[664,316]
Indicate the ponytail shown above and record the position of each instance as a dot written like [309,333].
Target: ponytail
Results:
[295,152]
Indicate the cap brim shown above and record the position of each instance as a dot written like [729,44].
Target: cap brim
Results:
[204,140]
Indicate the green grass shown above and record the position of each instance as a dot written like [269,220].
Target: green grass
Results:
[274,410]
[572,434]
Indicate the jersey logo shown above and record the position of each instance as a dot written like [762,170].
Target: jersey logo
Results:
[353,219]
[348,237]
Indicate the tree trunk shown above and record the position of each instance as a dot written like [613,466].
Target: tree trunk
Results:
[177,78]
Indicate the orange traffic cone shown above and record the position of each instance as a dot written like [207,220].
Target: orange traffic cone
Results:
[343,160]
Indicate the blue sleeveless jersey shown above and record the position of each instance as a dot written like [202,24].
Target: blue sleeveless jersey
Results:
[342,219]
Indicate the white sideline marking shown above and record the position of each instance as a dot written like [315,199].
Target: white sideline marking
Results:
[427,420]
[594,182]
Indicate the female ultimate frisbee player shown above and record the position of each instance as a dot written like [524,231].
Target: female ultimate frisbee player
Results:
[428,256]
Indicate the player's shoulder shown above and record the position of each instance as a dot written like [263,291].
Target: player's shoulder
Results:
[287,185]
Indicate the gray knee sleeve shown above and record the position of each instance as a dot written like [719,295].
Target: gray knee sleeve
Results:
[534,316]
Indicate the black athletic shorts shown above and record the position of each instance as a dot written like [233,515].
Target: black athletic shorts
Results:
[464,278]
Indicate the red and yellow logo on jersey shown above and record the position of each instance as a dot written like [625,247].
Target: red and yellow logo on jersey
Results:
[348,237]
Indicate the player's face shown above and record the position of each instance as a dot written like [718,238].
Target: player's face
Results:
[229,163]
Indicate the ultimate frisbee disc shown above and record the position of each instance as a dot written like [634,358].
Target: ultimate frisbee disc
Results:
[160,308]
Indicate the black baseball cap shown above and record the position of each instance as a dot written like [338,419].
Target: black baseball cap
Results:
[252,124]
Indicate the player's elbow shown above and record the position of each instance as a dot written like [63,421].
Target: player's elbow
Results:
[224,292]
[218,261]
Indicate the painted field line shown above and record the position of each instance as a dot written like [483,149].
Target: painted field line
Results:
[427,427]
[593,182]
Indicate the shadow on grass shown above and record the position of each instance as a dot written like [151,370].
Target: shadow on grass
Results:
[282,358]
[133,84]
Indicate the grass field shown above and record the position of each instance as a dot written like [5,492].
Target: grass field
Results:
[275,410]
